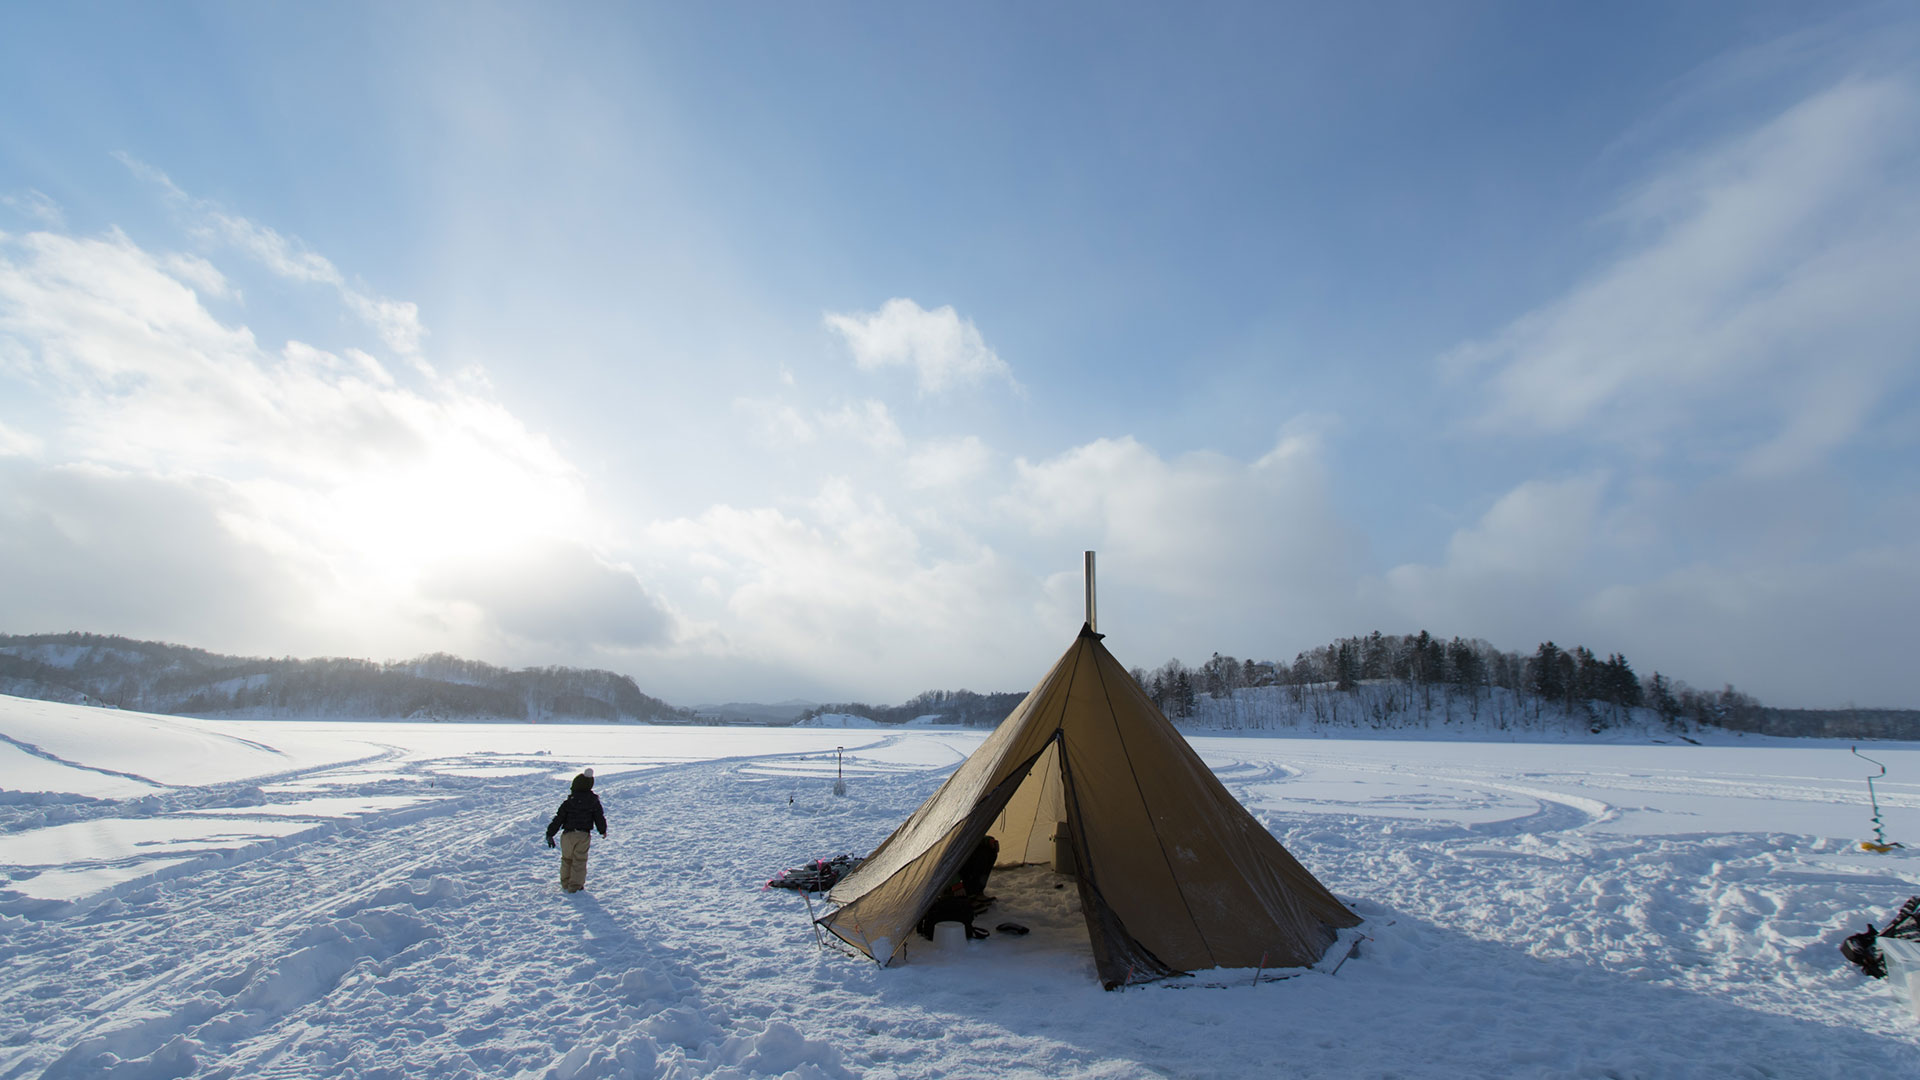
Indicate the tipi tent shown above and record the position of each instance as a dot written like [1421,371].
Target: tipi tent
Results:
[1174,874]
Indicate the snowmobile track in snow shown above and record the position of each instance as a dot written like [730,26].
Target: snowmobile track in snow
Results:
[436,930]
[432,941]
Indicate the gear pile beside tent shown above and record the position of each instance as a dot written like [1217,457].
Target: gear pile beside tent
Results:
[1174,874]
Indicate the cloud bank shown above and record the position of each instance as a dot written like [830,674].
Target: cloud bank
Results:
[1705,424]
[1771,300]
[1743,375]
[183,481]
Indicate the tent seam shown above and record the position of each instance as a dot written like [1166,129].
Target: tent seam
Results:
[1087,876]
[1127,752]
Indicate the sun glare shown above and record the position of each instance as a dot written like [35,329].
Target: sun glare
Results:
[462,504]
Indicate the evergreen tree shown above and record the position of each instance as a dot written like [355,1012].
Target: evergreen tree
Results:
[1346,666]
[1544,672]
[1376,660]
[1587,676]
[1620,686]
[1464,667]
[1661,698]
[1183,696]
[1427,660]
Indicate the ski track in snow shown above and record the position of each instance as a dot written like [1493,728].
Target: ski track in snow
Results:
[432,942]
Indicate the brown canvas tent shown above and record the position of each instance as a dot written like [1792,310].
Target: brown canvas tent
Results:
[1174,874]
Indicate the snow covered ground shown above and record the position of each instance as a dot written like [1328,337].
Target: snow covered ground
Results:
[287,899]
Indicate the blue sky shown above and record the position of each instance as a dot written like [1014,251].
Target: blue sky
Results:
[799,350]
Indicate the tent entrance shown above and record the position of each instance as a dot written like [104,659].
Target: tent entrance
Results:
[1027,825]
[1042,808]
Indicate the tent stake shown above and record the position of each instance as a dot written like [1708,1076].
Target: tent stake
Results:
[1261,968]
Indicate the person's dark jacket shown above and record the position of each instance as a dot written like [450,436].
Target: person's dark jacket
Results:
[580,812]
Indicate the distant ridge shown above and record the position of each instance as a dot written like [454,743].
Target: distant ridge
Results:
[149,676]
[1340,687]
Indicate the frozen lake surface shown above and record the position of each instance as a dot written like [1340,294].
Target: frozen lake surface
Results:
[191,898]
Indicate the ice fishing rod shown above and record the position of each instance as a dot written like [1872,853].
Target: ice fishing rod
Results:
[1879,833]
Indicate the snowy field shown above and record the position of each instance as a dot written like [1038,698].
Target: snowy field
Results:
[190,898]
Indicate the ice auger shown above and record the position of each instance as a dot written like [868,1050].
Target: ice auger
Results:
[1879,842]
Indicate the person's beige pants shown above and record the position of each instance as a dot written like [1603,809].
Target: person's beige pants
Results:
[573,859]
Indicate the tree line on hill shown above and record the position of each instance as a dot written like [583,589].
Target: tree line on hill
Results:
[1410,681]
[1384,680]
[1425,665]
[163,678]
[1377,680]
[961,708]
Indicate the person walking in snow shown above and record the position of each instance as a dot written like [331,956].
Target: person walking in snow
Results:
[579,813]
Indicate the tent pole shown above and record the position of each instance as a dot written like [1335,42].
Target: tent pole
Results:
[811,921]
[1092,614]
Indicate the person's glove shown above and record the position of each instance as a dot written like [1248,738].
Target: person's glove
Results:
[550,842]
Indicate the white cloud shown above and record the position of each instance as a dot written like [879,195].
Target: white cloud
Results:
[774,424]
[841,590]
[1760,323]
[866,421]
[781,426]
[1509,576]
[949,463]
[559,595]
[35,207]
[1773,629]
[18,443]
[1770,309]
[199,273]
[944,349]
[1583,560]
[309,496]
[86,547]
[369,515]
[397,322]
[1246,555]
[965,581]
[285,258]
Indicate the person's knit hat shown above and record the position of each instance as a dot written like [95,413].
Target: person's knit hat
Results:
[587,772]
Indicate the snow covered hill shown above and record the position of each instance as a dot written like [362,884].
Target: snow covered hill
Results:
[97,669]
[189,898]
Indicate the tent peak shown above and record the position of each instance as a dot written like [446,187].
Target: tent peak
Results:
[1086,630]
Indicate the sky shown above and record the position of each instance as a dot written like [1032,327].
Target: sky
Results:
[800,350]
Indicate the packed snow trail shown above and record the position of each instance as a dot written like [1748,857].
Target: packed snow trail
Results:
[1510,934]
[428,946]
